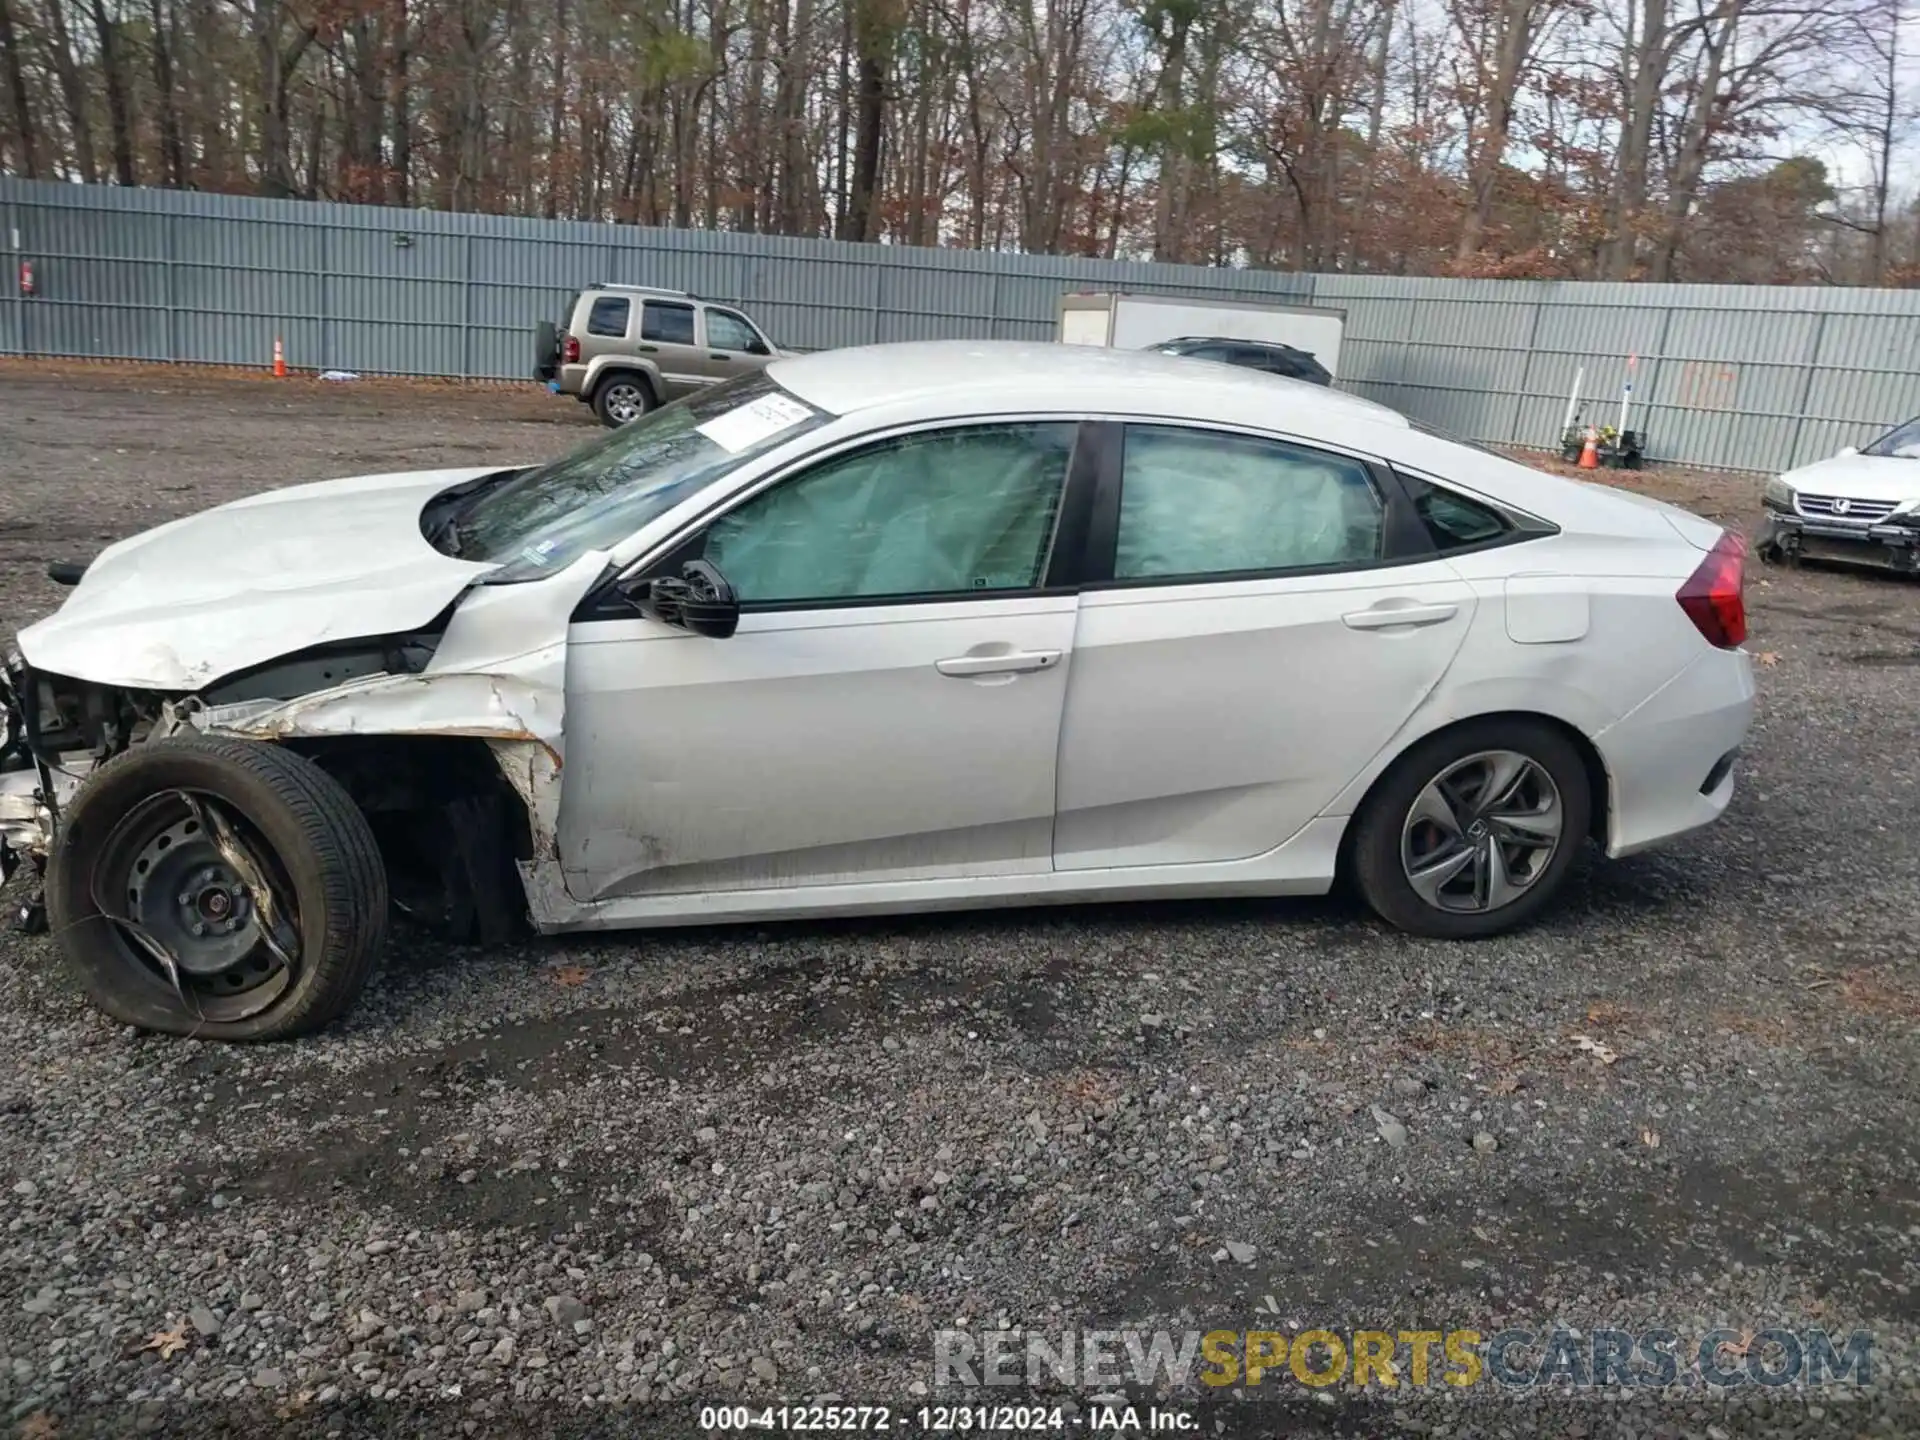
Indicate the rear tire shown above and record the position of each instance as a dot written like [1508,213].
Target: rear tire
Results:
[1437,852]
[133,839]
[622,399]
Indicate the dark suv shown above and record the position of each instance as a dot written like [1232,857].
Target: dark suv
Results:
[1252,354]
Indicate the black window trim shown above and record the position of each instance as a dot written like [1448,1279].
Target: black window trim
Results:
[1066,549]
[1085,537]
[1403,536]
[1521,526]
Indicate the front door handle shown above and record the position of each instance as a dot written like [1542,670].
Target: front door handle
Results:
[1007,662]
[716,355]
[1385,617]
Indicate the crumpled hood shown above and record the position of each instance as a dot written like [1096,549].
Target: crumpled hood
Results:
[180,606]
[1860,477]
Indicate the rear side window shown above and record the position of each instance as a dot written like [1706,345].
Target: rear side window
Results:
[609,316]
[1200,502]
[666,323]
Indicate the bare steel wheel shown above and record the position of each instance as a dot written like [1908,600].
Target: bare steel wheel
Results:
[1480,832]
[1472,831]
[217,888]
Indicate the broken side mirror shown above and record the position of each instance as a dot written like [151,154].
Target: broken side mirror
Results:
[698,599]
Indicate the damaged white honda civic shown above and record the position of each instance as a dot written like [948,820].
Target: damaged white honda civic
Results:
[892,629]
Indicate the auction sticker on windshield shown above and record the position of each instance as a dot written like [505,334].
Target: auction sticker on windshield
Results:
[755,422]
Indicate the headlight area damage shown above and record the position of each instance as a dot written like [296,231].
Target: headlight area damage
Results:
[204,882]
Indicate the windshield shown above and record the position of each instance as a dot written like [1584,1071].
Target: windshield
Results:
[1903,442]
[544,519]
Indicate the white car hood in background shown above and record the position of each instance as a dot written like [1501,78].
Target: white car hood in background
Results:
[1860,477]
[185,604]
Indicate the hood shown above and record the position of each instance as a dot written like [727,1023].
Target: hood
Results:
[180,606]
[1859,477]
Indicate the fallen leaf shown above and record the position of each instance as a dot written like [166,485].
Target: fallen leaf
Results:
[1505,1085]
[571,975]
[1650,1138]
[1605,1054]
[1767,657]
[168,1342]
[38,1426]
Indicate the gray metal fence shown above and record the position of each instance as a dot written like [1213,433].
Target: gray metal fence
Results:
[1741,378]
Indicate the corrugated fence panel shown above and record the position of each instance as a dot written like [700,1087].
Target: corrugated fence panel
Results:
[1725,376]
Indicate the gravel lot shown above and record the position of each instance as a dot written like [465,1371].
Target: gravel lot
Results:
[516,1188]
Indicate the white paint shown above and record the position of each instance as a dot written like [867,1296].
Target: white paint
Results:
[1546,609]
[1195,739]
[184,604]
[1893,478]
[1084,327]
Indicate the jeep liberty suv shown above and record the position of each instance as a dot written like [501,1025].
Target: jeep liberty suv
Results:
[625,349]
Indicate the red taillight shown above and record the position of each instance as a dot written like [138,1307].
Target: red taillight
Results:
[1713,596]
[570,352]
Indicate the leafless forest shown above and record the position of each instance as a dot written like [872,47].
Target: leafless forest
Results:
[1711,140]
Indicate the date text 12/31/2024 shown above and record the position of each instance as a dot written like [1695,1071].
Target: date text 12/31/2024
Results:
[946,1419]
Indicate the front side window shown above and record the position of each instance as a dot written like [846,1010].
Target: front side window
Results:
[1902,443]
[727,331]
[1195,503]
[543,519]
[609,316]
[964,511]
[666,323]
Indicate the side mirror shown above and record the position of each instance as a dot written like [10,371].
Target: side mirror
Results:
[1846,450]
[759,347]
[699,599]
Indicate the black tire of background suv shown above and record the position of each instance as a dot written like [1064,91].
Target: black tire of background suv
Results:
[317,834]
[1376,845]
[608,381]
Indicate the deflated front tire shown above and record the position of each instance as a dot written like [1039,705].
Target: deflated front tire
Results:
[217,888]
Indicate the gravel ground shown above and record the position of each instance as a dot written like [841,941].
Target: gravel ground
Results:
[578,1187]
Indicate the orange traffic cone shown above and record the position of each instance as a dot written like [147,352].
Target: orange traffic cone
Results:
[1590,452]
[280,363]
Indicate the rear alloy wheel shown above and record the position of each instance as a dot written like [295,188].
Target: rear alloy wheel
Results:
[622,400]
[1473,831]
[217,888]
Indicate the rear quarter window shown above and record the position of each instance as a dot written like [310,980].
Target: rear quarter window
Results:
[608,316]
[1454,521]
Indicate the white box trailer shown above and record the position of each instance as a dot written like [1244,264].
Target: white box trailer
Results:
[1133,322]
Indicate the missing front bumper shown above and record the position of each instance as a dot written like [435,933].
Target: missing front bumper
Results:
[1792,538]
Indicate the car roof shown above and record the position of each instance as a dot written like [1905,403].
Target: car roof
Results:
[941,378]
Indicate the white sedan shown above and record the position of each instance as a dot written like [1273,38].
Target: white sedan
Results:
[893,629]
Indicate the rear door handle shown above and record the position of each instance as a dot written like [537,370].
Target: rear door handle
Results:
[1385,617]
[1013,662]
[649,349]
